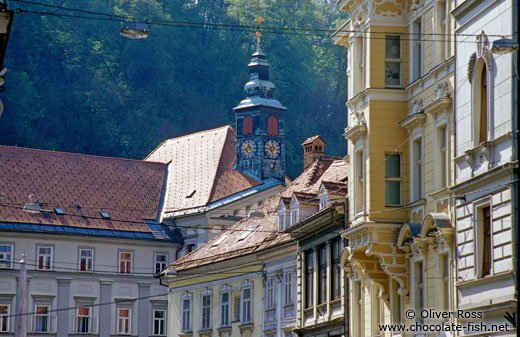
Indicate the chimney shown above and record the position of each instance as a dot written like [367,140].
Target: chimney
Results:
[313,147]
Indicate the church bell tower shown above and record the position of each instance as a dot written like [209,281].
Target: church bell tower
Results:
[260,123]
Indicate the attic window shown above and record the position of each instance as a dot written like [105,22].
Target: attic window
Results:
[247,233]
[219,240]
[191,194]
[105,215]
[59,211]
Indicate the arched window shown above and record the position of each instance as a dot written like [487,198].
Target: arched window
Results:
[272,126]
[247,125]
[483,107]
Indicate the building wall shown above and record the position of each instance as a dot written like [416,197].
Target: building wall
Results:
[65,287]
[483,170]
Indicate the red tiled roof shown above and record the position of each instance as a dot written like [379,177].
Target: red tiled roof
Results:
[129,190]
[264,233]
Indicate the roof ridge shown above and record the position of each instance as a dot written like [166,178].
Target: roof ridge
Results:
[186,136]
[78,154]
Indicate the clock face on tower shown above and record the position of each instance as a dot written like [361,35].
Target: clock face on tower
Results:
[272,149]
[247,149]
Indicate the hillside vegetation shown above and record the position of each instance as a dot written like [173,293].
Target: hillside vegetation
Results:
[76,85]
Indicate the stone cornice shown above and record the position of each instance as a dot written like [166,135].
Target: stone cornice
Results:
[413,121]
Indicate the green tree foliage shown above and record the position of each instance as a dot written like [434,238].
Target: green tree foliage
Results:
[76,85]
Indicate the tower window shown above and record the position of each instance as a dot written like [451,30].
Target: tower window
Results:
[272,126]
[247,126]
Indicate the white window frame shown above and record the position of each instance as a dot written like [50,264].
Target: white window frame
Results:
[6,258]
[441,153]
[4,318]
[46,316]
[416,49]
[417,167]
[358,304]
[270,301]
[399,60]
[324,199]
[443,291]
[125,269]
[395,179]
[87,259]
[159,264]
[44,261]
[476,86]
[246,304]
[442,30]
[225,308]
[79,317]
[359,181]
[419,287]
[161,321]
[396,302]
[288,287]
[124,324]
[186,313]
[205,309]
[478,238]
[295,212]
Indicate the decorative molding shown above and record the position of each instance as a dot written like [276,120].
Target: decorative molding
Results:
[442,90]
[359,129]
[413,121]
[471,65]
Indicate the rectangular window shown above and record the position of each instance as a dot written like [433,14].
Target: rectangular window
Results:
[359,183]
[322,274]
[393,60]
[396,303]
[359,73]
[4,318]
[86,260]
[44,258]
[442,19]
[393,179]
[416,50]
[442,157]
[270,292]
[42,318]
[236,308]
[246,306]
[417,182]
[123,321]
[125,262]
[206,312]
[358,309]
[487,246]
[288,288]
[309,278]
[83,320]
[6,256]
[160,263]
[159,322]
[444,291]
[419,289]
[294,217]
[336,269]
[281,222]
[224,308]
[186,315]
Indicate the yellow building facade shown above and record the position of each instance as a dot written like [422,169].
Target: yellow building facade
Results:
[399,257]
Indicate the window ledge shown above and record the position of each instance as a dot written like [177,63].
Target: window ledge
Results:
[222,330]
[417,202]
[185,334]
[487,279]
[246,326]
[205,332]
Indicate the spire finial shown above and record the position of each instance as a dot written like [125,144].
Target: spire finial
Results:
[258,21]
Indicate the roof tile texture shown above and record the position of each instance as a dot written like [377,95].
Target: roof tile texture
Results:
[129,190]
[250,234]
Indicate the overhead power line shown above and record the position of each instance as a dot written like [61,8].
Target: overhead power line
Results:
[317,32]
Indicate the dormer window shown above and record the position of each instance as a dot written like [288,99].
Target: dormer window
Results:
[294,216]
[282,217]
[281,222]
[324,198]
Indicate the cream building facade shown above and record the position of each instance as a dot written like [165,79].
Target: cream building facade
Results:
[485,162]
[400,231]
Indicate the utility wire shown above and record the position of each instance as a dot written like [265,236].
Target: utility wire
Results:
[235,27]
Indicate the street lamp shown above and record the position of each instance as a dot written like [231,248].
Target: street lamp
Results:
[135,30]
[504,46]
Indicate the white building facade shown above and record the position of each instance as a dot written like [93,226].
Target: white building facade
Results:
[485,163]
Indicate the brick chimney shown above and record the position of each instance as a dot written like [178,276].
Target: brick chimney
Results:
[313,147]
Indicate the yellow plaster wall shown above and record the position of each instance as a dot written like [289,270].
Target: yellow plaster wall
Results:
[175,312]
[428,53]
[376,77]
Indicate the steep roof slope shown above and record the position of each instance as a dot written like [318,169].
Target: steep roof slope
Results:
[200,169]
[251,234]
[82,186]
